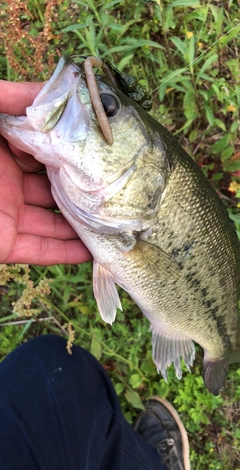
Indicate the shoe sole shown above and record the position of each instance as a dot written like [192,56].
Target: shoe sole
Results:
[182,429]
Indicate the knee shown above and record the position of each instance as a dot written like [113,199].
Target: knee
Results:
[47,353]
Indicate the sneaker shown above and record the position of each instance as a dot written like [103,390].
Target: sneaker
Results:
[161,426]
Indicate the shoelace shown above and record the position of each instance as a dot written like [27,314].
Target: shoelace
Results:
[168,452]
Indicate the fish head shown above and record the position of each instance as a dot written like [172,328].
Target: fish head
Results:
[61,130]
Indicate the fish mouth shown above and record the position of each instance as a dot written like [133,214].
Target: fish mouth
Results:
[62,73]
[65,62]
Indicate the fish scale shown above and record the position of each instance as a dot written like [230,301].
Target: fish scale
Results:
[215,242]
[147,214]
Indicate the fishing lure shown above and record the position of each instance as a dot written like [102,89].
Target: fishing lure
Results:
[124,81]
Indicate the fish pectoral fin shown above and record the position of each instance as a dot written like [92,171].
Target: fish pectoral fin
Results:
[215,374]
[168,347]
[105,292]
[153,258]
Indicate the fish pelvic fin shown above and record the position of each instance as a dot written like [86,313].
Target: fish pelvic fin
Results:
[168,347]
[215,374]
[105,292]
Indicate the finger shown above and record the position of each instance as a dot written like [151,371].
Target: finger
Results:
[26,161]
[15,97]
[37,190]
[30,249]
[37,221]
[8,235]
[11,196]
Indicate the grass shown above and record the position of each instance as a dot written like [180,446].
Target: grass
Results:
[187,53]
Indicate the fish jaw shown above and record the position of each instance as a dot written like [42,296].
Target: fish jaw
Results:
[60,130]
[19,133]
[41,131]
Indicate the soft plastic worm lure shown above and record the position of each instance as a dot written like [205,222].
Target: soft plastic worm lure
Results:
[89,63]
[125,82]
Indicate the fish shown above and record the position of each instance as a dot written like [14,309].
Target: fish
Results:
[146,212]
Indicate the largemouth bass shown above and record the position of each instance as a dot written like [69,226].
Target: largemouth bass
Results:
[147,214]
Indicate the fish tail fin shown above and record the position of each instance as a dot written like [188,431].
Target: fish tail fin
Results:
[215,374]
[215,370]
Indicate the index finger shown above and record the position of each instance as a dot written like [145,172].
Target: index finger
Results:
[16,97]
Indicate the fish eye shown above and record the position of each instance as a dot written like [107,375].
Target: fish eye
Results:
[110,104]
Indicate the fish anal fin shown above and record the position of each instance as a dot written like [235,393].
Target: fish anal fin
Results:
[105,292]
[215,374]
[168,347]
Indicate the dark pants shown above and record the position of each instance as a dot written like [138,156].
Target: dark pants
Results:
[60,412]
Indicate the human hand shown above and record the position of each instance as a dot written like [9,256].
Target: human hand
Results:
[29,232]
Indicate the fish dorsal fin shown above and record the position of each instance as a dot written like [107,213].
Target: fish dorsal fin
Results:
[105,292]
[168,347]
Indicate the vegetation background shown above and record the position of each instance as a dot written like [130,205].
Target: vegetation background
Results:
[186,53]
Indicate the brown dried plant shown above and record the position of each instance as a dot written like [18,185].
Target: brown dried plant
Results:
[71,336]
[23,41]
[33,298]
